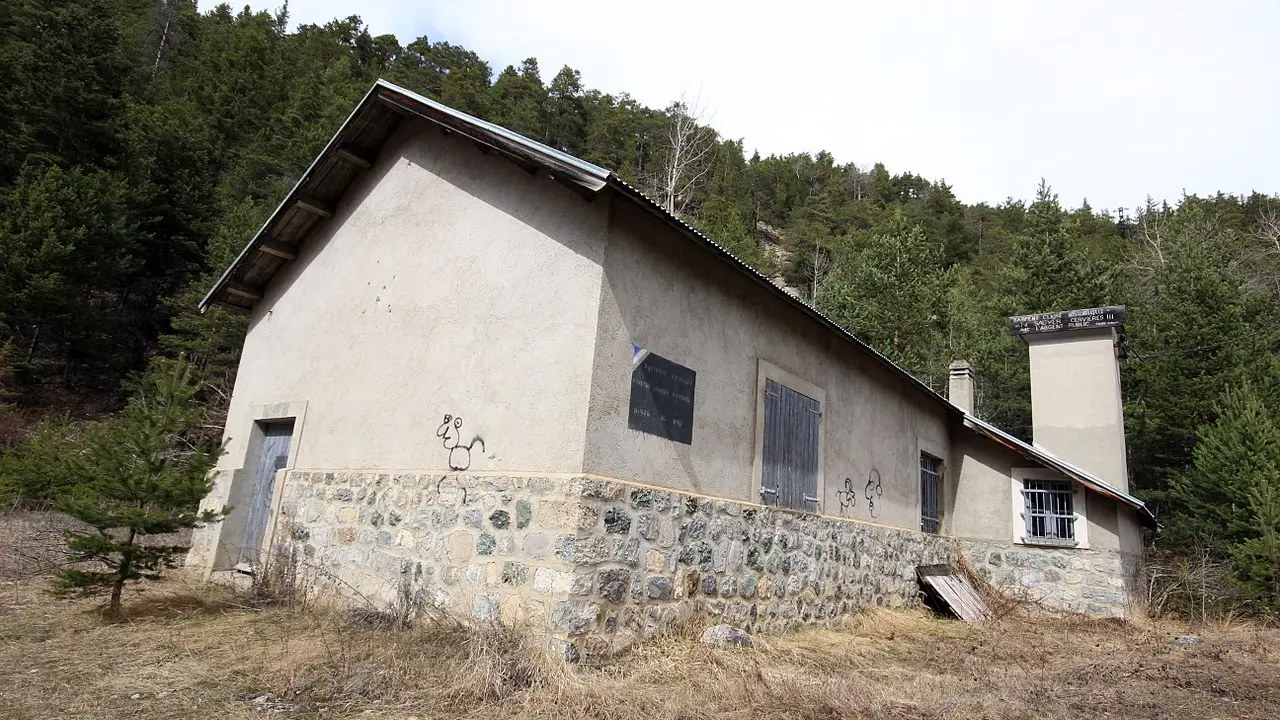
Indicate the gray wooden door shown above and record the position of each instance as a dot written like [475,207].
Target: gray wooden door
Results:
[790,453]
[274,456]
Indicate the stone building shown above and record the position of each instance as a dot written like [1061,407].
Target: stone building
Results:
[484,374]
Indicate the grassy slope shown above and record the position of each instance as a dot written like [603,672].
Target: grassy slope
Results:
[190,651]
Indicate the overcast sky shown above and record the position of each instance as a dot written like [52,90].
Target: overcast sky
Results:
[1111,100]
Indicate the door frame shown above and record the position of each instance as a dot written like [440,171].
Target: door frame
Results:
[251,554]
[226,552]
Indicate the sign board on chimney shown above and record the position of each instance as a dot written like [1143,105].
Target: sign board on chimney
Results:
[1101,317]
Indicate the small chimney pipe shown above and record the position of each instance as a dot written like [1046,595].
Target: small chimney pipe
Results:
[960,389]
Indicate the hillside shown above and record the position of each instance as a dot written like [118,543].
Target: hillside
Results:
[143,142]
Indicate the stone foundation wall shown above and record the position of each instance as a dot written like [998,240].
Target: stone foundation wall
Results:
[1096,582]
[592,563]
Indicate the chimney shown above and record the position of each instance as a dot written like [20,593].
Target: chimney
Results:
[960,390]
[1076,410]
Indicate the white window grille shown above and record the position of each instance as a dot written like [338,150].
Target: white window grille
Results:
[930,493]
[1049,511]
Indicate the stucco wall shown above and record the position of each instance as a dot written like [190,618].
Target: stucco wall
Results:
[981,501]
[407,305]
[448,281]
[664,294]
[1076,405]
[986,503]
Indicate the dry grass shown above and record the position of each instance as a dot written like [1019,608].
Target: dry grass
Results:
[197,651]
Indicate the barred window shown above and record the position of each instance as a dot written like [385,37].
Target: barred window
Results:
[1049,514]
[930,493]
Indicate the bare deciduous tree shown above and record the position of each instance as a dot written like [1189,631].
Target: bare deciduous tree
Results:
[1260,261]
[163,32]
[689,148]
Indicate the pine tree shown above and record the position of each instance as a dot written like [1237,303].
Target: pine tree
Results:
[892,294]
[135,477]
[1229,500]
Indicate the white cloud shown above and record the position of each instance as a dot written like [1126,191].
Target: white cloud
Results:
[1108,99]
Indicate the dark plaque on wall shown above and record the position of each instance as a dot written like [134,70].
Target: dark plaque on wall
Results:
[661,397]
[1099,317]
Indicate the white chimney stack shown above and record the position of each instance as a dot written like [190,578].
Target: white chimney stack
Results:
[1076,409]
[960,390]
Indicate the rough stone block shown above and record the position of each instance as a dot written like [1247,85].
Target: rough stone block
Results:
[641,498]
[581,583]
[515,573]
[709,585]
[617,521]
[473,518]
[659,588]
[656,561]
[614,584]
[586,517]
[524,514]
[485,544]
[485,607]
[647,526]
[575,618]
[546,580]
[536,545]
[500,519]
[666,532]
[586,551]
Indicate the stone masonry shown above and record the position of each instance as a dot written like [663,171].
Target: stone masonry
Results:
[592,563]
[1096,582]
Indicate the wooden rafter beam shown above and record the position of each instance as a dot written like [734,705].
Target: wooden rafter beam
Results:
[355,157]
[315,206]
[279,250]
[244,291]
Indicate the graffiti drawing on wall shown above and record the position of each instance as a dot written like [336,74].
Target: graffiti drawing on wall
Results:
[848,497]
[451,432]
[873,490]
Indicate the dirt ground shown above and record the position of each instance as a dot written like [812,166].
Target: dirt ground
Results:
[196,651]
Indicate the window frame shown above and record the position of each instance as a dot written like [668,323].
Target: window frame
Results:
[1020,525]
[768,371]
[938,472]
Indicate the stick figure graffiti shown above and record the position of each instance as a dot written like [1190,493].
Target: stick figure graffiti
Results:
[459,455]
[872,491]
[848,497]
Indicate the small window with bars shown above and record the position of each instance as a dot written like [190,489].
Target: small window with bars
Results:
[1049,511]
[930,493]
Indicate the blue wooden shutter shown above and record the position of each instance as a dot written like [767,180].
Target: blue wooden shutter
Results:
[790,452]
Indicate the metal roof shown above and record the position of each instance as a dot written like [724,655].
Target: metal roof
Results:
[354,148]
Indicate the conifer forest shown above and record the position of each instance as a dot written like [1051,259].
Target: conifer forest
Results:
[143,142]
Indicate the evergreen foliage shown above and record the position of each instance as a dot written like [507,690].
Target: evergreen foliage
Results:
[134,478]
[1229,500]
